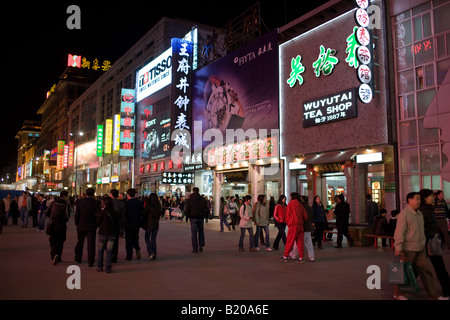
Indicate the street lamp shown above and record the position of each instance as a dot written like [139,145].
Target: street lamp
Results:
[80,134]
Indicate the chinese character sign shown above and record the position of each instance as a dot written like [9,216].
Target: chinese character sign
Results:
[127,123]
[100,134]
[181,104]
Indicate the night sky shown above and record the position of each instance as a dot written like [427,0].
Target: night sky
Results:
[36,42]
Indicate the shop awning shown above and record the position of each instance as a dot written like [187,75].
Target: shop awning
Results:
[329,157]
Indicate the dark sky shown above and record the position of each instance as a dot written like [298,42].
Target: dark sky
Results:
[36,41]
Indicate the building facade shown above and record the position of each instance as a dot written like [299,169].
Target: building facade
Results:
[420,32]
[335,111]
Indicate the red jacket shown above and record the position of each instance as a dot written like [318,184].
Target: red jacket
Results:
[295,214]
[280,213]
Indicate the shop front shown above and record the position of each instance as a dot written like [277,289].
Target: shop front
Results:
[336,136]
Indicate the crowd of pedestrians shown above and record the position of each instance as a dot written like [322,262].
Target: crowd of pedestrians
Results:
[102,221]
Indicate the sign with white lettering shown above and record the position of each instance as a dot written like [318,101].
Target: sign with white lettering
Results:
[331,108]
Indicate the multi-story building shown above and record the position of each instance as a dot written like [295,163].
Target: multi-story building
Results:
[99,164]
[420,33]
[27,159]
[55,122]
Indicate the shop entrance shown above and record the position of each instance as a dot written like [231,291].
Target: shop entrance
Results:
[231,189]
[334,184]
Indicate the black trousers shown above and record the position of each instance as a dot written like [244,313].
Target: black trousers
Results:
[131,241]
[343,231]
[57,239]
[90,235]
[441,273]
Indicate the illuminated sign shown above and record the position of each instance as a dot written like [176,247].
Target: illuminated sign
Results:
[369,158]
[71,151]
[77,61]
[158,73]
[100,140]
[334,107]
[108,136]
[66,156]
[243,151]
[127,123]
[361,50]
[177,177]
[116,133]
[154,76]
[74,61]
[181,104]
[60,156]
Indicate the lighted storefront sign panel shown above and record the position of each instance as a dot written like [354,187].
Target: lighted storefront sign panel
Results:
[127,123]
[154,76]
[181,98]
[334,107]
[100,134]
[108,135]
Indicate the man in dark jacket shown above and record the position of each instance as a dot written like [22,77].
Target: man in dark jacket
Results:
[371,210]
[59,214]
[196,210]
[85,220]
[119,206]
[342,212]
[133,216]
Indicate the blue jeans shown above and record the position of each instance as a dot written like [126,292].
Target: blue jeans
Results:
[197,234]
[41,220]
[224,219]
[105,243]
[24,216]
[251,240]
[150,240]
[258,231]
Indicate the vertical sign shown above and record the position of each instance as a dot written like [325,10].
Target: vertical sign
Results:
[181,104]
[71,150]
[108,135]
[127,123]
[99,140]
[66,156]
[363,51]
[60,156]
[116,133]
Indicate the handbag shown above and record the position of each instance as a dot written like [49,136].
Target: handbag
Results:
[396,272]
[434,246]
[412,286]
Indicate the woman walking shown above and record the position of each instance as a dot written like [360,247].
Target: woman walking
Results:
[279,216]
[150,218]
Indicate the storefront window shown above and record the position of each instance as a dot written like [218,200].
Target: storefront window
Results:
[409,160]
[408,133]
[427,136]
[407,107]
[423,101]
[432,182]
[410,184]
[442,67]
[441,20]
[403,33]
[404,58]
[405,81]
[446,189]
[429,159]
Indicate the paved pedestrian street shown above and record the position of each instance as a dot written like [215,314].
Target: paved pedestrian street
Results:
[221,272]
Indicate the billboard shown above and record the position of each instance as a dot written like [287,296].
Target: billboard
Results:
[240,90]
[154,76]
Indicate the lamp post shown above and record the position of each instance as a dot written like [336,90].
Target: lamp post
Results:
[76,160]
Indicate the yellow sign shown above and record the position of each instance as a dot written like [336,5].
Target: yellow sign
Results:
[108,135]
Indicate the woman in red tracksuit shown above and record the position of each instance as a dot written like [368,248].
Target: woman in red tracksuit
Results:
[295,217]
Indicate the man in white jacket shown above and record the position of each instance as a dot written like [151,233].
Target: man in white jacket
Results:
[409,244]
